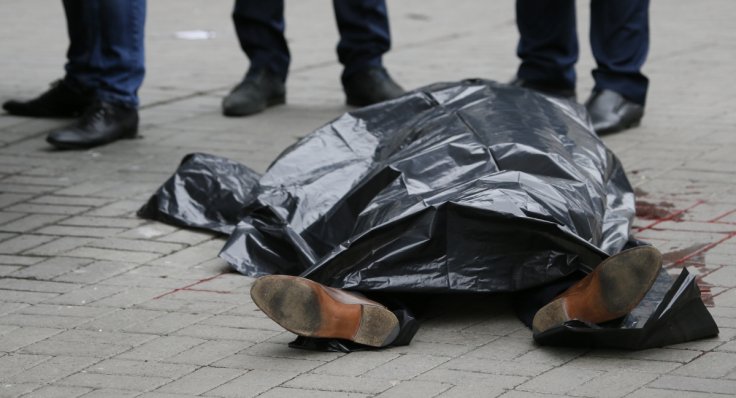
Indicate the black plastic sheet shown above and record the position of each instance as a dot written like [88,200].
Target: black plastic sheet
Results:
[456,187]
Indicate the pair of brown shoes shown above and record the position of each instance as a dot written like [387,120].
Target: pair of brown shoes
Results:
[307,308]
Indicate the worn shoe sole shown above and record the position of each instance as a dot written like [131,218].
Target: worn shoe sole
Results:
[611,291]
[307,308]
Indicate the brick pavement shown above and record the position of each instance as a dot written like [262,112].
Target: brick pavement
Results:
[95,302]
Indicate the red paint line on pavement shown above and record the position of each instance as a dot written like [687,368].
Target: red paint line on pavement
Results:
[724,215]
[705,248]
[190,285]
[671,216]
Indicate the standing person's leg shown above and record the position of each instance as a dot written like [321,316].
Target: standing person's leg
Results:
[260,28]
[70,96]
[619,38]
[116,55]
[548,46]
[364,38]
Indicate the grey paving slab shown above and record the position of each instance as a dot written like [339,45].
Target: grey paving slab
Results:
[95,302]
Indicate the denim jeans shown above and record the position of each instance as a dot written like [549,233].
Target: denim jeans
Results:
[363,26]
[106,54]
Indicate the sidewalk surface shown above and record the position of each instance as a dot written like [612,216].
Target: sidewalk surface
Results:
[95,302]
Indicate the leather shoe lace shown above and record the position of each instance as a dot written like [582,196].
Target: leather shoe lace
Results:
[102,123]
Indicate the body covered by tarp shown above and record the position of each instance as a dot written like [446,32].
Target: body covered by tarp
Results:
[456,187]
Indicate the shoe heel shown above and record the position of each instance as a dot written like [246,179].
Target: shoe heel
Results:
[549,316]
[378,327]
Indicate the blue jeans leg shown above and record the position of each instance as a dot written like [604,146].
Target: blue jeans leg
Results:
[106,52]
[619,38]
[364,34]
[548,43]
[259,25]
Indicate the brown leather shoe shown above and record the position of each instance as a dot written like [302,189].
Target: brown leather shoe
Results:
[310,309]
[611,291]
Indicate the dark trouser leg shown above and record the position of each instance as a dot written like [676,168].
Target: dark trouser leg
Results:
[548,45]
[364,34]
[106,51]
[83,55]
[619,38]
[260,25]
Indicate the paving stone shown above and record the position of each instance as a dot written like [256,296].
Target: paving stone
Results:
[291,392]
[512,368]
[120,382]
[42,321]
[253,383]
[58,246]
[696,384]
[13,364]
[710,365]
[416,389]
[106,222]
[60,392]
[52,267]
[19,260]
[186,237]
[110,393]
[161,348]
[70,200]
[55,347]
[192,255]
[125,340]
[244,361]
[13,296]
[47,209]
[113,255]
[137,245]
[209,352]
[657,393]
[346,384]
[21,337]
[53,369]
[22,243]
[95,271]
[90,232]
[357,363]
[219,332]
[201,380]
[165,324]
[16,390]
[31,222]
[406,367]
[614,384]
[36,286]
[128,297]
[83,295]
[560,380]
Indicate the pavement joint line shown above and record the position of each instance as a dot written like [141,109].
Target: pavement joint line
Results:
[705,248]
[728,213]
[190,285]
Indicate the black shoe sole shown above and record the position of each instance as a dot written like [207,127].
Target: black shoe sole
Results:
[247,112]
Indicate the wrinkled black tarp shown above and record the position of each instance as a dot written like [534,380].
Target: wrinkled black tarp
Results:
[457,187]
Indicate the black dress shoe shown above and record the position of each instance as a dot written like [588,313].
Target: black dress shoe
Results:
[258,91]
[370,86]
[100,124]
[555,91]
[61,100]
[611,112]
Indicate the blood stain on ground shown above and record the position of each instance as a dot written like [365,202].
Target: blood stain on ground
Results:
[656,211]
